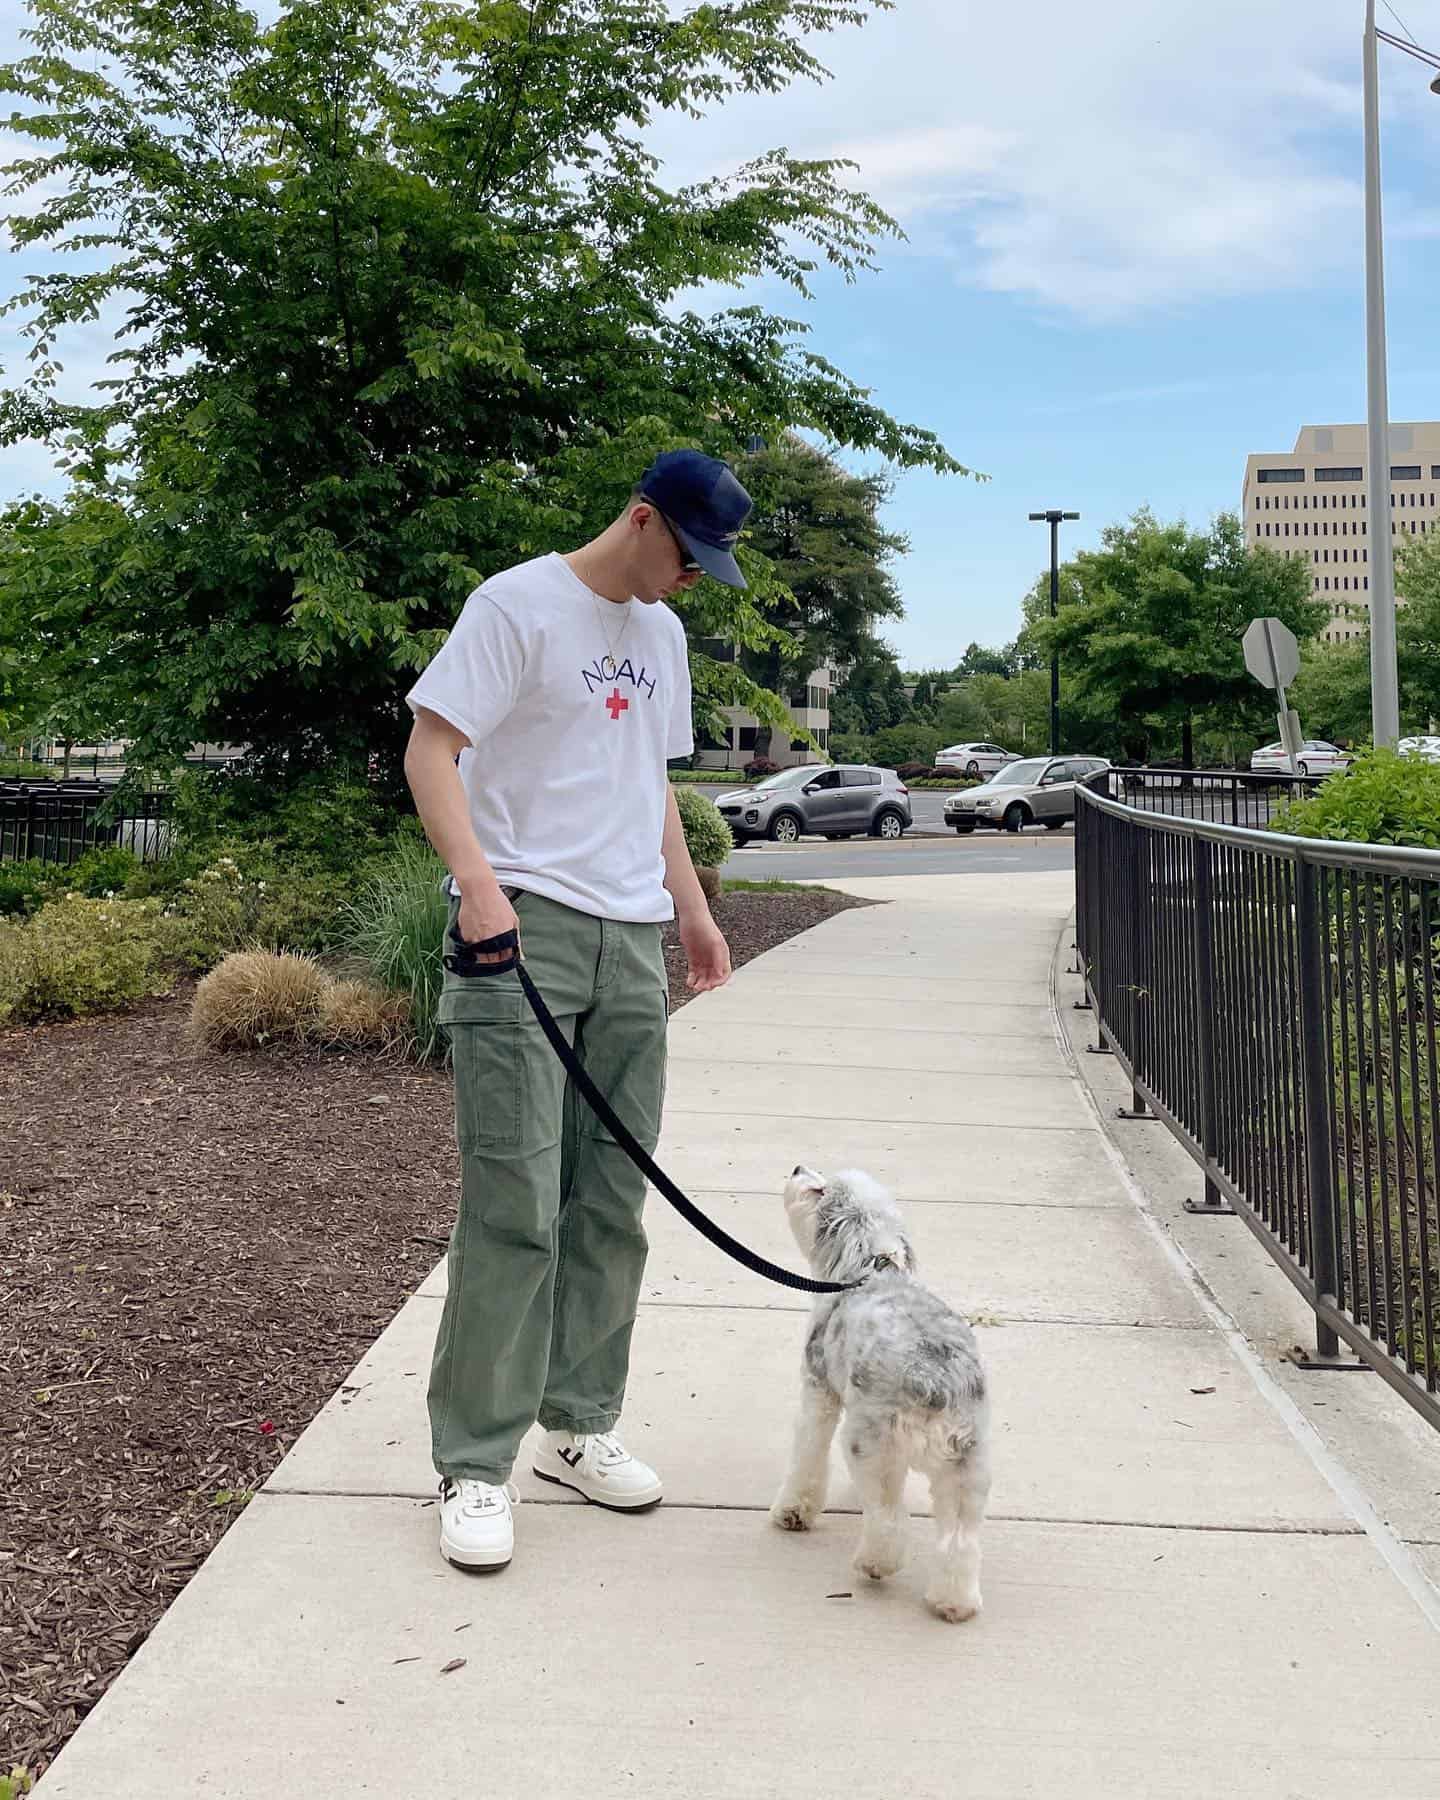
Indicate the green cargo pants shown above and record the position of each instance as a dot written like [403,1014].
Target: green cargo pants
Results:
[548,1249]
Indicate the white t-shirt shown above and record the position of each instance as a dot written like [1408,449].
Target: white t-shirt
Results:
[572,706]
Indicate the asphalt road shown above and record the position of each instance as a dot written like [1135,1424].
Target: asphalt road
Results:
[926,804]
[981,853]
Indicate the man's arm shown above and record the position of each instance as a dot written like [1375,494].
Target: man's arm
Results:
[704,944]
[440,801]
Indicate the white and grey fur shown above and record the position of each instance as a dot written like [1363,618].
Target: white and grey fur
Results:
[903,1368]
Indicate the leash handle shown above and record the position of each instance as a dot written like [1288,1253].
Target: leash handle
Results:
[642,1160]
[465,958]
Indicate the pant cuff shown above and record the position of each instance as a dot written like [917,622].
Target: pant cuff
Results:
[494,1477]
[587,1426]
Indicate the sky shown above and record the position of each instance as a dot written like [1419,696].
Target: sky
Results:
[1133,255]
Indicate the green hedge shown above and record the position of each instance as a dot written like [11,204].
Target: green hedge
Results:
[1382,798]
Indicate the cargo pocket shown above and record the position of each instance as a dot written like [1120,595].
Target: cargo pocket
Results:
[483,1016]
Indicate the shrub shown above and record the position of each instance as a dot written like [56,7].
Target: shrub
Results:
[323,821]
[759,767]
[99,873]
[24,886]
[905,743]
[396,923]
[256,996]
[218,910]
[1383,798]
[303,912]
[706,833]
[913,771]
[357,1015]
[78,955]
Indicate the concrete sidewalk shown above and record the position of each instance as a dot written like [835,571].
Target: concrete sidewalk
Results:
[1179,1603]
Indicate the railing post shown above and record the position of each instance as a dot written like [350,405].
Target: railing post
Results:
[1204,946]
[1318,1098]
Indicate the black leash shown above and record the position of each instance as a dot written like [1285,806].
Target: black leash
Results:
[465,961]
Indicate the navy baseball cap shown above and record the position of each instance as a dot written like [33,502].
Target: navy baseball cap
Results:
[705,506]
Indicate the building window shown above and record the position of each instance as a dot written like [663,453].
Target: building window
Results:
[1279,474]
[1339,474]
[1405,471]
[1367,584]
[745,737]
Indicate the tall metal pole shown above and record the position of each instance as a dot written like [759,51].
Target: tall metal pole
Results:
[1054,516]
[1384,678]
[1054,654]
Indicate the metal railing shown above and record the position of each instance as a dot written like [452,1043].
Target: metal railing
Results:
[57,822]
[1223,796]
[1275,1001]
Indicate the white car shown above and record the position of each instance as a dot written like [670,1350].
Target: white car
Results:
[1316,758]
[1427,748]
[975,759]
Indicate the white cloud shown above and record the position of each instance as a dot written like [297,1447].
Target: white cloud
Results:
[1100,159]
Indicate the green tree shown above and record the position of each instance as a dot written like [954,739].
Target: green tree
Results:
[406,302]
[982,660]
[1417,632]
[1152,636]
[819,528]
[872,694]
[60,676]
[1332,691]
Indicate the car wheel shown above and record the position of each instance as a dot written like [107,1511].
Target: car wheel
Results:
[1303,767]
[785,828]
[1056,824]
[1016,818]
[964,830]
[972,768]
[889,825]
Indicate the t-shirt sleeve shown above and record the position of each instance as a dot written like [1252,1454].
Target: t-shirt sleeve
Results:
[680,734]
[474,678]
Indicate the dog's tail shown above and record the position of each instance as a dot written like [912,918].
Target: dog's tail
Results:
[938,1386]
[927,1388]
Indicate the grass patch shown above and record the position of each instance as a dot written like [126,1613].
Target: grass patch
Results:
[774,887]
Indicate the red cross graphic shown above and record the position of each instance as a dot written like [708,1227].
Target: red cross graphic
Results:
[616,704]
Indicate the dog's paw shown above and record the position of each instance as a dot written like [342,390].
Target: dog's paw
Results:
[880,1561]
[953,1608]
[790,1516]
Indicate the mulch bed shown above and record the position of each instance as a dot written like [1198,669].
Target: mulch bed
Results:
[194,1253]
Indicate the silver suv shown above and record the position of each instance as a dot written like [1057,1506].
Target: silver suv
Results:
[1040,789]
[832,803]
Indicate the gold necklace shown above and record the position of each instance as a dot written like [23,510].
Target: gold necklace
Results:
[608,666]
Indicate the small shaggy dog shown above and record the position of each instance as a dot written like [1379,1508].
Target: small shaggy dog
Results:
[905,1371]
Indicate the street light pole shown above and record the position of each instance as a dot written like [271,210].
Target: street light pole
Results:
[1384,675]
[1053,519]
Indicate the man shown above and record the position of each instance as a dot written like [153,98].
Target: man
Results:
[562,691]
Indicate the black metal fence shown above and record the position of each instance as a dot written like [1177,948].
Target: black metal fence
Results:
[1276,1001]
[1224,796]
[58,821]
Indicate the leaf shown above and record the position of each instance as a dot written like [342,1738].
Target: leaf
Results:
[457,1662]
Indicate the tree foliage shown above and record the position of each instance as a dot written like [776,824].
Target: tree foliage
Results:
[1149,627]
[406,300]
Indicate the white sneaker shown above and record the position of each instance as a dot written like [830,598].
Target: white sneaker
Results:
[597,1465]
[477,1530]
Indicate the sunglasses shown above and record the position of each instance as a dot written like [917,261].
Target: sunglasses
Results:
[688,564]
